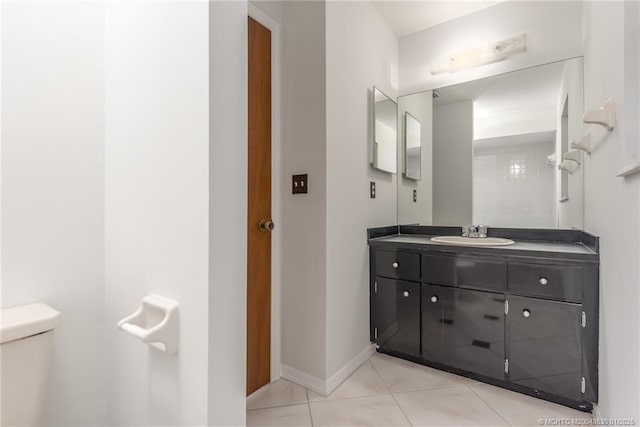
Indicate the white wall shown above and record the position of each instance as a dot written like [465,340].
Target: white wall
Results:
[157,205]
[227,205]
[53,189]
[553,33]
[325,263]
[361,52]
[304,215]
[612,207]
[453,163]
[420,106]
[571,212]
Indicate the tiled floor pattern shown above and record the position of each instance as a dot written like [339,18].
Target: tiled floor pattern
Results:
[387,391]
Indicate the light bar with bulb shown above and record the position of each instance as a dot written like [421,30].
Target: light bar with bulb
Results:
[495,52]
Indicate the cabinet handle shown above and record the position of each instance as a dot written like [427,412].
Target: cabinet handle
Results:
[526,312]
[395,265]
[434,298]
[543,281]
[406,293]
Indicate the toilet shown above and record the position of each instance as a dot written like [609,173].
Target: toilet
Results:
[26,339]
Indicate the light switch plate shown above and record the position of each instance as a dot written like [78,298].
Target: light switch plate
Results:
[299,184]
[372,189]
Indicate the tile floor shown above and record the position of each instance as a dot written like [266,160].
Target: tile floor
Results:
[387,391]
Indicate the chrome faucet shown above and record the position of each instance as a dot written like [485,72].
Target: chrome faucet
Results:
[474,231]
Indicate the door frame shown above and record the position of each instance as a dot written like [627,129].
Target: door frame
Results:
[276,190]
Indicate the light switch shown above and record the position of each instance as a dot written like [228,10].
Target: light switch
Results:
[372,189]
[299,184]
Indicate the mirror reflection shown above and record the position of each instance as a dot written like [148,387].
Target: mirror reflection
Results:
[412,147]
[492,151]
[385,132]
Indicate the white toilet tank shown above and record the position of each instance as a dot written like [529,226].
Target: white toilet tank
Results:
[26,339]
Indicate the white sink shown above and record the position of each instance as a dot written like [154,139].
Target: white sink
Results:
[472,241]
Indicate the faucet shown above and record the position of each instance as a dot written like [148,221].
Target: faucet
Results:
[474,231]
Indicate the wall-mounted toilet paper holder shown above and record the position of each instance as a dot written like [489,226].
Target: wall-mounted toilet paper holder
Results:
[155,322]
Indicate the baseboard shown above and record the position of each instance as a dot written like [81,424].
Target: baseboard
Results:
[596,412]
[305,380]
[343,373]
[321,386]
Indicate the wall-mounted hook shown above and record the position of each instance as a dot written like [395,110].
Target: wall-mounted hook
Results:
[569,165]
[604,116]
[584,143]
[572,155]
[551,159]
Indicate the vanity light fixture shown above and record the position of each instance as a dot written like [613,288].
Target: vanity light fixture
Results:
[495,52]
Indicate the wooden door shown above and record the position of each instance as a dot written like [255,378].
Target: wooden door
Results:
[259,209]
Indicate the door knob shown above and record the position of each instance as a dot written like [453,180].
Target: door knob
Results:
[395,265]
[266,225]
[526,312]
[543,281]
[434,298]
[406,293]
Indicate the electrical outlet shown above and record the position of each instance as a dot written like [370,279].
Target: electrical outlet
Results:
[372,189]
[299,184]
[415,195]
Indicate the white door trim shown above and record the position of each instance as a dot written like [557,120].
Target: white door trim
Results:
[276,191]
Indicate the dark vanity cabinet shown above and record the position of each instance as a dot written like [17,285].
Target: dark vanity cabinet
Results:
[522,321]
[464,329]
[397,315]
[545,345]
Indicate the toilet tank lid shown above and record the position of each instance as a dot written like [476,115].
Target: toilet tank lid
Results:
[26,320]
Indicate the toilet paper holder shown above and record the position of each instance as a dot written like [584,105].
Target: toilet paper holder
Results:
[155,323]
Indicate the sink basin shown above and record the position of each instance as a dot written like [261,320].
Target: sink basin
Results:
[472,241]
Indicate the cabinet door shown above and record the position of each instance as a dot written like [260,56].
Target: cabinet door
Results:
[434,324]
[476,338]
[544,347]
[397,305]
[464,329]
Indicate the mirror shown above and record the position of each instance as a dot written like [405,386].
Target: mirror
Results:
[490,151]
[385,112]
[412,147]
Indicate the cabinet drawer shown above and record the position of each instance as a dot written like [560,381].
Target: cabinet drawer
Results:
[561,282]
[398,265]
[477,273]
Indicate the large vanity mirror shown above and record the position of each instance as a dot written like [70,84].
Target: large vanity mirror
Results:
[489,151]
[385,134]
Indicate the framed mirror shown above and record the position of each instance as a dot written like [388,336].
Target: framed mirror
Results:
[494,148]
[412,147]
[385,132]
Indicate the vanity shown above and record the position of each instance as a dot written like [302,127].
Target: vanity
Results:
[523,317]
[520,312]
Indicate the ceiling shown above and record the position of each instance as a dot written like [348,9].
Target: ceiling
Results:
[532,87]
[406,17]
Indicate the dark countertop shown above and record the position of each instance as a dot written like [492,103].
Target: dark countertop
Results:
[546,249]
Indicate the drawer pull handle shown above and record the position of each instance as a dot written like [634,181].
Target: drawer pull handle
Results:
[526,312]
[406,293]
[434,298]
[543,281]
[395,265]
